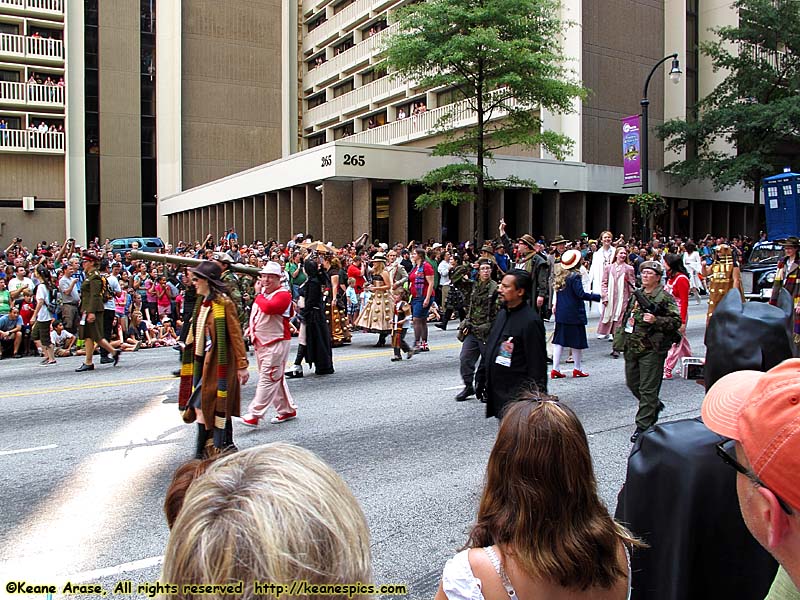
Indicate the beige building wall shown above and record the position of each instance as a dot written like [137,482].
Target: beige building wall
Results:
[120,119]
[231,87]
[616,61]
[31,175]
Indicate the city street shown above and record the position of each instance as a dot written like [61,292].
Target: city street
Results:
[85,458]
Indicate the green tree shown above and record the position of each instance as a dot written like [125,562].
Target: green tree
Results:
[504,58]
[755,110]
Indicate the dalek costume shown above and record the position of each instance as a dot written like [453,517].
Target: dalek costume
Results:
[722,278]
[336,311]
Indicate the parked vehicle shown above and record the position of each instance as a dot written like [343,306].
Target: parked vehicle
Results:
[146,244]
[758,273]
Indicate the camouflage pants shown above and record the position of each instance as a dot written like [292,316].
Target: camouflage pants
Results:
[643,376]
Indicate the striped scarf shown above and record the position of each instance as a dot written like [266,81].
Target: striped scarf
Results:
[194,356]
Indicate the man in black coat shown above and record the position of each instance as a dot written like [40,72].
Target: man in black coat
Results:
[516,358]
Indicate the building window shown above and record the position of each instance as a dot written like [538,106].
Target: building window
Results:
[337,8]
[373,121]
[315,100]
[344,46]
[315,22]
[316,140]
[316,61]
[343,88]
[9,28]
[449,97]
[373,74]
[373,28]
[343,131]
[12,76]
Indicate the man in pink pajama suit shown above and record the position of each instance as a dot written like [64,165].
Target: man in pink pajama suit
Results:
[270,334]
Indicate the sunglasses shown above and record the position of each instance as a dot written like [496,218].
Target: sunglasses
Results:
[726,451]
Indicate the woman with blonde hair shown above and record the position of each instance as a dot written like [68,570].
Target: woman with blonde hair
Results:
[272,514]
[541,531]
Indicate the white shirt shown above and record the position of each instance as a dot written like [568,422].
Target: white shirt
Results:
[444,273]
[60,339]
[15,283]
[113,285]
[43,294]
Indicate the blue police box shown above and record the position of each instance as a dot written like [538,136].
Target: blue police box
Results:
[782,204]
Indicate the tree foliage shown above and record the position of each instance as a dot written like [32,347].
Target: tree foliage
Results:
[756,108]
[504,59]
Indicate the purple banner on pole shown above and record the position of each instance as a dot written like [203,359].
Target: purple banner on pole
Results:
[631,148]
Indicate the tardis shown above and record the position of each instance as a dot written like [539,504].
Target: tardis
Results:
[782,204]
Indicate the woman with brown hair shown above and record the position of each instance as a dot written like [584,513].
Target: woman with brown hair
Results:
[541,531]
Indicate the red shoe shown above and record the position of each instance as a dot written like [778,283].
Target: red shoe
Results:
[556,374]
[576,373]
[283,418]
[250,420]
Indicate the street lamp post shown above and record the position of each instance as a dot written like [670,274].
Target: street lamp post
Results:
[675,76]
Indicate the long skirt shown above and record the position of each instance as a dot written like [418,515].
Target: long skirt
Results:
[377,314]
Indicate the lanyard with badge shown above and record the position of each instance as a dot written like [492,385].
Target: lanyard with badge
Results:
[506,350]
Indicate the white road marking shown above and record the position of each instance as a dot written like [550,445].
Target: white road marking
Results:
[450,389]
[21,450]
[136,565]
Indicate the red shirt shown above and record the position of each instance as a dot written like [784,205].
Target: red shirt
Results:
[26,312]
[678,286]
[278,305]
[355,272]
[418,282]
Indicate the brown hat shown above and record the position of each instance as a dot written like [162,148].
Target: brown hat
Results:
[528,240]
[90,256]
[207,270]
[559,240]
[487,247]
[791,241]
[653,265]
[485,261]
[223,257]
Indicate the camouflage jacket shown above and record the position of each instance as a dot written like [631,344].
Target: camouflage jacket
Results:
[459,278]
[482,309]
[650,337]
[231,281]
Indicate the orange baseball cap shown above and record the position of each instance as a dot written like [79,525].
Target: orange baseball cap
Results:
[761,411]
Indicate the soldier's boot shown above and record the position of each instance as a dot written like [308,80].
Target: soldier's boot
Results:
[445,319]
[465,393]
[202,436]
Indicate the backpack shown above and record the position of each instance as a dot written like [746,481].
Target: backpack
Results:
[106,292]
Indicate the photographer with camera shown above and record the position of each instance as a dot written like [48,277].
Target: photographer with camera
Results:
[651,325]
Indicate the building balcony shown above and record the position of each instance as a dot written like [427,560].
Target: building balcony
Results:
[23,140]
[348,60]
[360,10]
[360,98]
[26,94]
[43,50]
[33,7]
[423,125]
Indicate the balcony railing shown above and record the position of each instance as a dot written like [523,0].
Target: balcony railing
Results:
[22,140]
[50,7]
[349,58]
[347,16]
[774,58]
[423,124]
[31,47]
[31,93]
[378,90]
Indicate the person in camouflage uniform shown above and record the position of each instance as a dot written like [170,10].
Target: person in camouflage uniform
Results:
[460,290]
[474,331]
[231,281]
[531,259]
[649,332]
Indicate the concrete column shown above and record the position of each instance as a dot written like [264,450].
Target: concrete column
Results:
[496,201]
[238,220]
[551,213]
[598,214]
[362,208]
[572,209]
[466,220]
[313,211]
[248,234]
[692,232]
[337,212]
[271,216]
[432,223]
[522,212]
[621,216]
[259,213]
[284,216]
[398,213]
[673,216]
[298,195]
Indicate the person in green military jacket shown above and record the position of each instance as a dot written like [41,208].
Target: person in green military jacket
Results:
[229,278]
[651,325]
[474,331]
[91,328]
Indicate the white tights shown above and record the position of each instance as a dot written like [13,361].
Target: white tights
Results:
[577,356]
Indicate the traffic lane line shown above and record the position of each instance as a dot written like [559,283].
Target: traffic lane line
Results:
[23,450]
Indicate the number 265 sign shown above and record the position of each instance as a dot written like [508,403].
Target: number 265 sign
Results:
[350,160]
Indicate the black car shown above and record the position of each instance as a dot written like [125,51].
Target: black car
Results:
[758,273]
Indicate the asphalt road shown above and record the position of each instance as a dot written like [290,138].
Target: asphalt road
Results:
[85,458]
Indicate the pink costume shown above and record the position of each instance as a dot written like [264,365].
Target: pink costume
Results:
[270,333]
[678,285]
[618,283]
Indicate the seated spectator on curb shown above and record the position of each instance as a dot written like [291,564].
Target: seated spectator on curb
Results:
[11,333]
[273,513]
[541,531]
[760,414]
[63,341]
